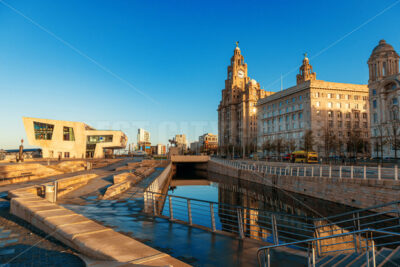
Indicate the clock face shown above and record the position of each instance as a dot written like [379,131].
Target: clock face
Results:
[240,74]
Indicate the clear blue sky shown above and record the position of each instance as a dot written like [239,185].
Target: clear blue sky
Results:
[175,52]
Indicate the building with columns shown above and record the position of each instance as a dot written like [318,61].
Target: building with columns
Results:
[237,115]
[384,91]
[335,113]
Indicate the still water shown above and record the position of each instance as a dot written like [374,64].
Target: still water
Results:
[199,247]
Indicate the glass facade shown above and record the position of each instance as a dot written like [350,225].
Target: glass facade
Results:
[68,134]
[94,139]
[43,131]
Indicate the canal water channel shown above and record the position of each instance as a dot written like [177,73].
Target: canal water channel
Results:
[198,246]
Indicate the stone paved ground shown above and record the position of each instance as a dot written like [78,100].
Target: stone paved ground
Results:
[21,244]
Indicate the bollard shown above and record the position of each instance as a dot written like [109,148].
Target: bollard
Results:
[379,172]
[49,193]
[396,172]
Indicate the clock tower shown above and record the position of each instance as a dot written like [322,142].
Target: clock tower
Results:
[236,116]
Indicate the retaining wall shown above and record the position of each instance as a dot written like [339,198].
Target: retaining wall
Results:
[355,192]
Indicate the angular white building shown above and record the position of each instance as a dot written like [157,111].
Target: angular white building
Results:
[67,139]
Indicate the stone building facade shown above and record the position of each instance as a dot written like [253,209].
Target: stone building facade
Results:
[337,114]
[384,90]
[237,115]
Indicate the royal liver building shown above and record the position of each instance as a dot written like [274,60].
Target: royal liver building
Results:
[237,114]
[384,92]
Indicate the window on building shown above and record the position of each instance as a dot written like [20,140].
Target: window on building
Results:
[356,106]
[365,98]
[365,115]
[347,105]
[339,123]
[330,114]
[317,104]
[338,105]
[300,106]
[300,97]
[43,131]
[339,114]
[348,115]
[365,125]
[300,115]
[356,115]
[329,104]
[329,95]
[66,154]
[356,124]
[356,97]
[348,124]
[337,96]
[394,101]
[93,139]
[294,117]
[340,134]
[316,95]
[293,99]
[280,104]
[68,134]
[373,92]
[374,104]
[330,123]
[318,113]
[375,118]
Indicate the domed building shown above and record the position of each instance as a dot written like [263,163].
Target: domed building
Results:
[384,85]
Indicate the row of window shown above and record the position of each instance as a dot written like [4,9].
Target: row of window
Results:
[339,105]
[339,114]
[394,101]
[339,124]
[282,111]
[286,101]
[340,96]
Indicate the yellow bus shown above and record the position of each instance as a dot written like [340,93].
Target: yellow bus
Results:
[304,157]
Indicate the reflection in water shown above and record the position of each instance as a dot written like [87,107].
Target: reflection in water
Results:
[261,212]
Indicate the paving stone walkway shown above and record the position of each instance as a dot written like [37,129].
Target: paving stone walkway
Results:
[21,244]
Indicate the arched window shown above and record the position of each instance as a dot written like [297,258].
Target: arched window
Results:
[384,69]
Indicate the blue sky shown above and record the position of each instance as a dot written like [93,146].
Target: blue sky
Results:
[174,52]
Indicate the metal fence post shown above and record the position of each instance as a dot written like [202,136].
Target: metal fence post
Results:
[274,229]
[312,171]
[305,171]
[379,172]
[320,170]
[240,223]
[212,217]
[365,172]
[189,212]
[171,212]
[298,170]
[340,172]
[396,172]
[351,171]
[55,191]
[330,171]
[291,171]
[154,205]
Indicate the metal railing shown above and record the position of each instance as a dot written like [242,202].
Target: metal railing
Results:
[263,225]
[314,170]
[311,250]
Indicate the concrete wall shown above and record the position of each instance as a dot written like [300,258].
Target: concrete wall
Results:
[357,193]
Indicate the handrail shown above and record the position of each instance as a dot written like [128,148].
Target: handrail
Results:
[323,238]
[234,206]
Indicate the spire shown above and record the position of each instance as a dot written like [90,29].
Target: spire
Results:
[306,71]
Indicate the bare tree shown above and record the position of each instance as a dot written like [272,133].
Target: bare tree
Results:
[330,142]
[355,143]
[308,141]
[380,141]
[393,138]
[290,145]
